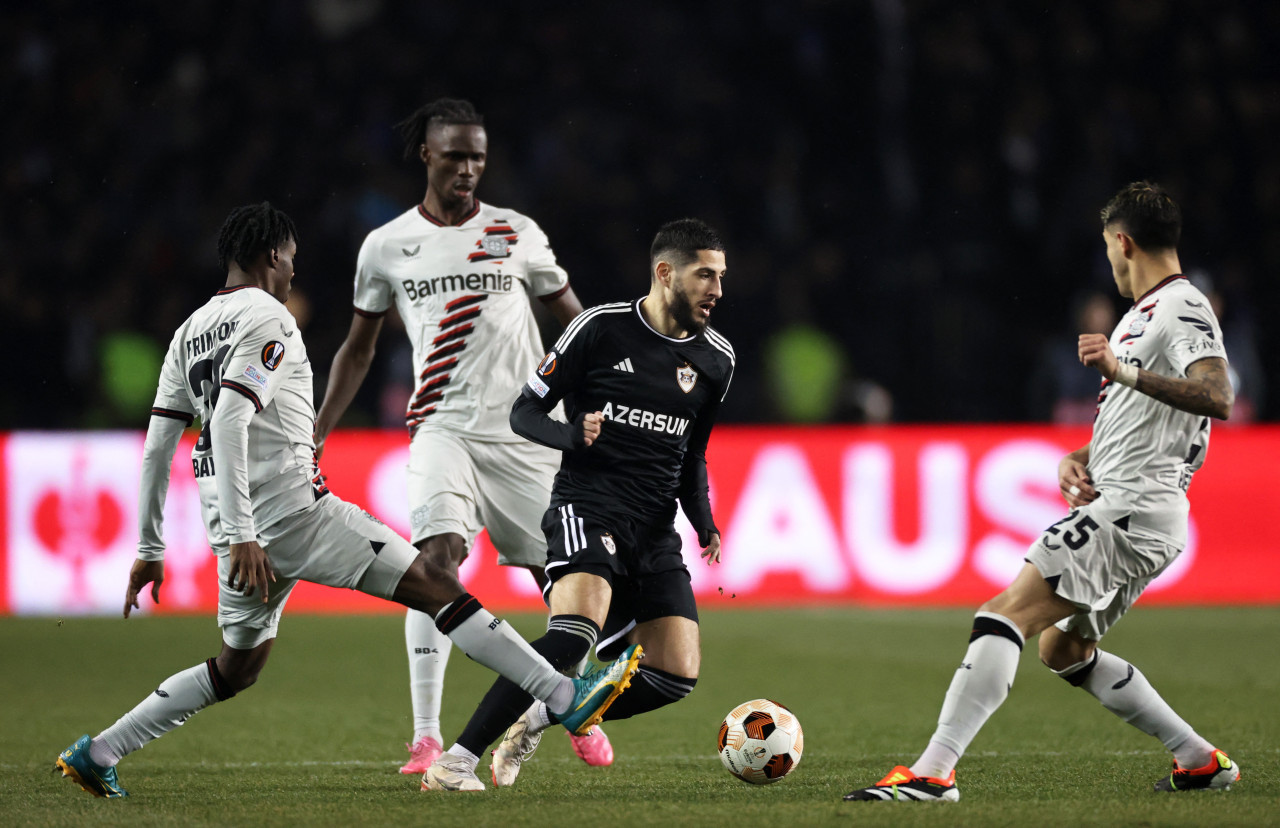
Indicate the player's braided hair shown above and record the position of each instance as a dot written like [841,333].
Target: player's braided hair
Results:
[252,230]
[1147,213]
[679,241]
[442,112]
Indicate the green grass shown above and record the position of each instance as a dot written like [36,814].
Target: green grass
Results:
[318,740]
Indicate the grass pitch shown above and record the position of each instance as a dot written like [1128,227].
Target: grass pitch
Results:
[318,740]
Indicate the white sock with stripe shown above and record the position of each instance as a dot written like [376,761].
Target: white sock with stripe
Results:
[980,685]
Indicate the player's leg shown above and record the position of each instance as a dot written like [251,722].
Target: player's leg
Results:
[248,631]
[980,685]
[579,603]
[515,481]
[442,492]
[1071,650]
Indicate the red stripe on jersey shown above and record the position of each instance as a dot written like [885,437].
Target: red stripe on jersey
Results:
[451,348]
[1166,280]
[419,402]
[460,331]
[436,382]
[225,291]
[480,256]
[551,297]
[235,386]
[499,228]
[177,415]
[463,301]
[437,368]
[460,316]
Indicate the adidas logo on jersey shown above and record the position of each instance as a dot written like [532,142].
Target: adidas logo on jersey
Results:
[625,365]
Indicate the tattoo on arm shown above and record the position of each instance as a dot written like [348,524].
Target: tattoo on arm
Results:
[1206,390]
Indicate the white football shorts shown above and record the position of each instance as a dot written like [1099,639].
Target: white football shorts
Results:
[462,486]
[1094,559]
[331,542]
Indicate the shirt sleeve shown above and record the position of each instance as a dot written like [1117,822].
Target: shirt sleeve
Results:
[373,294]
[694,492]
[163,434]
[547,279]
[1194,334]
[172,399]
[562,369]
[230,426]
[262,358]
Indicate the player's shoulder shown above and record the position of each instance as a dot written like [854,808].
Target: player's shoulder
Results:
[720,346]
[593,319]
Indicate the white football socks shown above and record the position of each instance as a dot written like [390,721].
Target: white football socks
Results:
[177,699]
[1125,691]
[980,686]
[492,643]
[428,650]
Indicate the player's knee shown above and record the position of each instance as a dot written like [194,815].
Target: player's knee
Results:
[446,551]
[1060,652]
[427,586]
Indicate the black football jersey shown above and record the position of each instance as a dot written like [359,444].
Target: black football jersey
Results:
[659,396]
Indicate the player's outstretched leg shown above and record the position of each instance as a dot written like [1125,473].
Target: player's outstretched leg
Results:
[904,786]
[76,763]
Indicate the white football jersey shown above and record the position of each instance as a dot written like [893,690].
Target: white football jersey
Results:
[463,291]
[244,341]
[1143,450]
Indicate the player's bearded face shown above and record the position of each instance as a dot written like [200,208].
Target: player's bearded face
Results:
[695,289]
[682,309]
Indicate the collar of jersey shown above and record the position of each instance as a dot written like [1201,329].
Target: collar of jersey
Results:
[645,322]
[422,211]
[1166,280]
[227,290]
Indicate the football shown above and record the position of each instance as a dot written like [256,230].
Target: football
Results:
[760,741]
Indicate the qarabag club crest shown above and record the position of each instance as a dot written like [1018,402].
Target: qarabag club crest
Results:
[686,377]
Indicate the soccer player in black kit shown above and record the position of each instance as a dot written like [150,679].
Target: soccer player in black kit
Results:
[641,383]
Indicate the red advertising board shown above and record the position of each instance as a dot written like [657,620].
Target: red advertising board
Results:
[906,515]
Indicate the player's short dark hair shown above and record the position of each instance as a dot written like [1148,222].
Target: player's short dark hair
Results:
[441,112]
[679,241]
[251,231]
[1147,213]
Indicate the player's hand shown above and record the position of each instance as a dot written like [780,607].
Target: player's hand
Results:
[712,552]
[143,573]
[1095,351]
[250,569]
[1073,480]
[318,438]
[591,424]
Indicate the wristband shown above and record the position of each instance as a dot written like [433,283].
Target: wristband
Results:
[1127,374]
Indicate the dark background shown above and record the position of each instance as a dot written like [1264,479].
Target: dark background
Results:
[914,186]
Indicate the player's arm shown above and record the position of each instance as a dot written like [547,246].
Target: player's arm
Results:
[1206,390]
[350,365]
[563,304]
[1073,477]
[229,430]
[164,432]
[533,422]
[694,491]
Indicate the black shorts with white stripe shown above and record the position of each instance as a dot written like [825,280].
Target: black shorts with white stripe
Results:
[641,561]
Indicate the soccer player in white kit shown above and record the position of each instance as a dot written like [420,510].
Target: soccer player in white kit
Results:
[1164,375]
[461,273]
[239,364]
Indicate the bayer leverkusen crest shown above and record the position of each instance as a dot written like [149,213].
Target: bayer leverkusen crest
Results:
[686,377]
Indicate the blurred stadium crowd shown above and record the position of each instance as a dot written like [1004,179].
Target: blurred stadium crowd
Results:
[909,190]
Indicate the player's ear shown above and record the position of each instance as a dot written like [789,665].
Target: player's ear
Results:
[423,152]
[1126,244]
[662,271]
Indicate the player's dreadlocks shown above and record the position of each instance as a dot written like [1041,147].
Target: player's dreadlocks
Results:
[1147,213]
[679,241]
[252,230]
[442,112]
